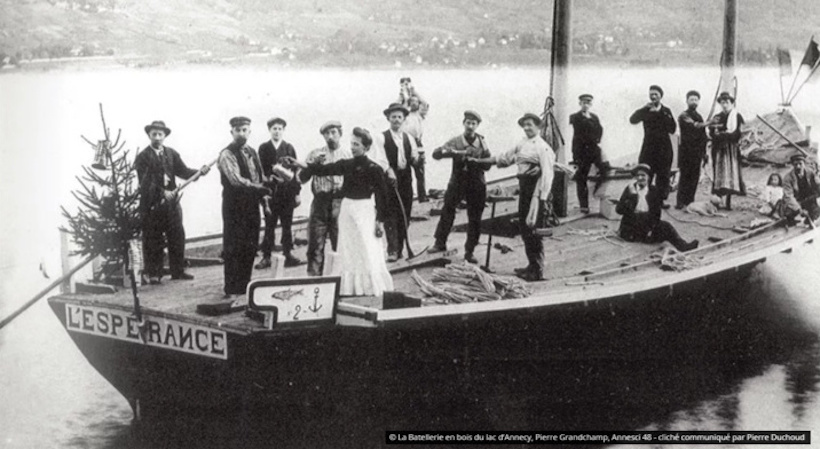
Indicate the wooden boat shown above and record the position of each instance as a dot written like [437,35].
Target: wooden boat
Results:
[312,345]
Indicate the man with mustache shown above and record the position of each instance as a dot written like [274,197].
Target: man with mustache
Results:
[242,193]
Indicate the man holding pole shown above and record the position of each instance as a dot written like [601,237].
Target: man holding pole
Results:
[157,168]
[242,193]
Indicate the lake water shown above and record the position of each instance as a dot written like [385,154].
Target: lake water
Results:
[749,367]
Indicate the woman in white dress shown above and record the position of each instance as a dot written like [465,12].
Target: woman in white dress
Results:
[364,271]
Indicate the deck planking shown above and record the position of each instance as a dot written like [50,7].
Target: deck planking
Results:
[577,257]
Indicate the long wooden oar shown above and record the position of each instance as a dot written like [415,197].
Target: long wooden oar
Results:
[44,292]
[410,254]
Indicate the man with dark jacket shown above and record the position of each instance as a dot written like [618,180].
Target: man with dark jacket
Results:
[640,205]
[586,150]
[801,188]
[242,193]
[397,153]
[692,149]
[285,192]
[656,150]
[157,168]
[466,183]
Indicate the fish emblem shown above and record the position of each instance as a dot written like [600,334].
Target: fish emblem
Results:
[286,295]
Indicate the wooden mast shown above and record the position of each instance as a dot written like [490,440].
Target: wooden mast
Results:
[727,73]
[561,54]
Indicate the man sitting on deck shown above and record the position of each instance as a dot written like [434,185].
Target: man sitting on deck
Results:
[640,205]
[801,188]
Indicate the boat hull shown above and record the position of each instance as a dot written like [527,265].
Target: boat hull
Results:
[411,360]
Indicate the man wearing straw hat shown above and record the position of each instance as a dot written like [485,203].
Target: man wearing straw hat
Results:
[397,153]
[157,168]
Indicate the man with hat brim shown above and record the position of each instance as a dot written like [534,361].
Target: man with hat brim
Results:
[243,192]
[535,161]
[656,150]
[157,167]
[285,192]
[586,152]
[640,205]
[466,183]
[327,197]
[801,188]
[692,149]
[396,152]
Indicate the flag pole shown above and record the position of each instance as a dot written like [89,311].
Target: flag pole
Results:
[799,68]
[814,69]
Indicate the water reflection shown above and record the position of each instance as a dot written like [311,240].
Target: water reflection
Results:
[739,361]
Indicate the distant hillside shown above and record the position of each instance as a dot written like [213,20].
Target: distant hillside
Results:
[389,32]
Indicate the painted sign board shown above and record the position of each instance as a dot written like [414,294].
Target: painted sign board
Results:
[295,301]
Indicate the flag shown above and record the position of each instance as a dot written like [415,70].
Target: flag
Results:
[784,59]
[812,54]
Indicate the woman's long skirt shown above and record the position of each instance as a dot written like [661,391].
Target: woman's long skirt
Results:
[364,271]
[728,180]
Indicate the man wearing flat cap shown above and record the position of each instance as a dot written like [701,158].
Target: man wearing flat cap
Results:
[327,197]
[242,195]
[586,150]
[277,151]
[801,188]
[656,150]
[692,149]
[157,168]
[466,183]
[396,152]
[640,205]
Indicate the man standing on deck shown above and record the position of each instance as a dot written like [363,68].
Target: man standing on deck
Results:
[157,168]
[801,188]
[586,150]
[656,151]
[466,183]
[242,193]
[692,149]
[327,197]
[396,152]
[286,191]
[414,126]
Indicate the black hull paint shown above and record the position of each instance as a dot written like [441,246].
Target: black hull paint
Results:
[412,361]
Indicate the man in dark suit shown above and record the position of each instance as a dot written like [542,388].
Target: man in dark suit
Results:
[285,192]
[586,150]
[692,149]
[801,188]
[640,205]
[399,152]
[157,168]
[656,150]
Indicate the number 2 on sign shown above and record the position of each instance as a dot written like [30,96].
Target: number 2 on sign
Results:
[296,310]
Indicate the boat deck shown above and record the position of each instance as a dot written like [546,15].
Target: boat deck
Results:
[584,257]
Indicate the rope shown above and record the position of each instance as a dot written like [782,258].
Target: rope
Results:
[699,223]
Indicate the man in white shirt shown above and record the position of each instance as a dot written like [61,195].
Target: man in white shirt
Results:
[414,125]
[397,152]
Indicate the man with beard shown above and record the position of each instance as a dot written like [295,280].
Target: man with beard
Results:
[656,150]
[801,188]
[242,193]
[157,168]
[327,197]
[692,149]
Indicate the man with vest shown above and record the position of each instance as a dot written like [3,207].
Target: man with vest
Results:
[242,194]
[157,168]
[397,153]
[466,183]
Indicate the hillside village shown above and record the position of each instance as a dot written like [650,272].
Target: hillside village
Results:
[386,33]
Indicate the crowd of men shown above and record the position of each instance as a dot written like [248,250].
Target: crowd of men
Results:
[270,180]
